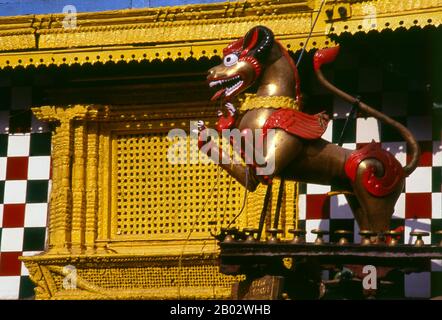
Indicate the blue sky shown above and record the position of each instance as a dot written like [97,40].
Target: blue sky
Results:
[22,7]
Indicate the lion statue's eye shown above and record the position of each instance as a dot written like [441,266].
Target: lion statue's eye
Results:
[230,60]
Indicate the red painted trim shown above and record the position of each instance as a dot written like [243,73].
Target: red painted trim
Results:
[255,64]
[377,186]
[325,56]
[234,47]
[295,122]
[250,45]
[225,122]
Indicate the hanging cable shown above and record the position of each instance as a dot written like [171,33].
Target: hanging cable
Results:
[244,200]
[311,32]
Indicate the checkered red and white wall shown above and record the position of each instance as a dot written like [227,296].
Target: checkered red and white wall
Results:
[25,148]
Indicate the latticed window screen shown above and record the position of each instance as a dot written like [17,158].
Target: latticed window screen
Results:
[156,199]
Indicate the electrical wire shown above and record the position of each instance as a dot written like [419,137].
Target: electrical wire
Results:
[311,33]
[244,200]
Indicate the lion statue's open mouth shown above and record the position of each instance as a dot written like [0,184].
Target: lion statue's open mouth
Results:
[230,86]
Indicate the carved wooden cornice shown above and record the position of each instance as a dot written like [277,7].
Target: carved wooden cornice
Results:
[365,16]
[191,31]
[54,113]
[195,31]
[101,277]
[119,259]
[124,114]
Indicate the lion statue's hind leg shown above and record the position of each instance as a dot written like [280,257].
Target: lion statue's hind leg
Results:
[377,179]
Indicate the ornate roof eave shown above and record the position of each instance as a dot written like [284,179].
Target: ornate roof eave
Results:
[193,31]
[379,15]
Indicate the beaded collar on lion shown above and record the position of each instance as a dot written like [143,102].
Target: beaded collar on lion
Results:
[252,101]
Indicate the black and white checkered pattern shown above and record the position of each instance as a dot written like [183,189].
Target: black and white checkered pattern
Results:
[405,98]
